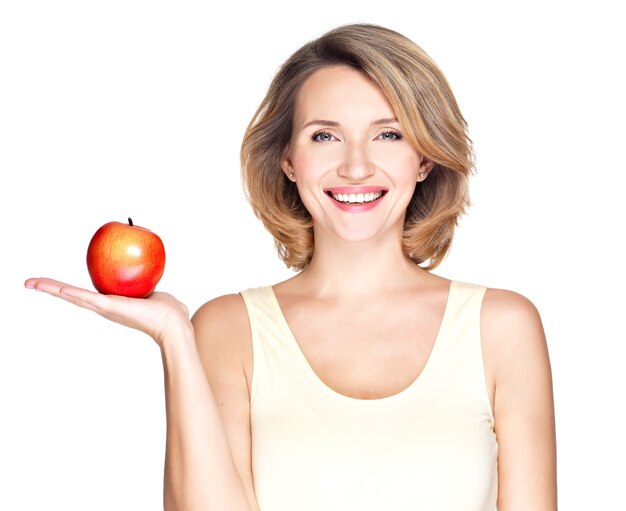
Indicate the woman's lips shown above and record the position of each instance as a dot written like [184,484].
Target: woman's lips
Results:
[356,198]
[355,189]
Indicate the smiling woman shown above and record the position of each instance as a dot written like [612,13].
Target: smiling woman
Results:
[416,96]
[362,151]
[357,162]
[365,381]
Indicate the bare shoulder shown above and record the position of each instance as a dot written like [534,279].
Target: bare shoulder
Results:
[223,340]
[223,315]
[513,337]
[508,318]
[223,337]
[503,305]
[518,370]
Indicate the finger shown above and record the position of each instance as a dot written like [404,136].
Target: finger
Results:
[46,285]
[31,283]
[50,286]
[84,298]
[75,295]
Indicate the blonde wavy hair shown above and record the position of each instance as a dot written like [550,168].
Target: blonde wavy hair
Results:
[426,109]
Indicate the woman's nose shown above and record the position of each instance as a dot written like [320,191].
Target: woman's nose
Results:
[356,164]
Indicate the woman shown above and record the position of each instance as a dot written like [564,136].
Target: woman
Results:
[364,381]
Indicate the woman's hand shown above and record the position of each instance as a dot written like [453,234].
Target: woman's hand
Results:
[160,315]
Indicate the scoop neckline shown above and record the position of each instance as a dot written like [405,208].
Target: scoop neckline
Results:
[423,374]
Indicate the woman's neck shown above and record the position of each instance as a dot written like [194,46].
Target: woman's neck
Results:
[342,268]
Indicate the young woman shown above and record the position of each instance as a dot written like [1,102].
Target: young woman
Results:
[365,381]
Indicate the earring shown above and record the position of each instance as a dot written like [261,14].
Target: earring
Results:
[422,174]
[291,175]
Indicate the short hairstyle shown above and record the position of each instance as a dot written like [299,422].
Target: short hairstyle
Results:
[425,107]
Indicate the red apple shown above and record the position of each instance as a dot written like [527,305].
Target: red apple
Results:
[125,259]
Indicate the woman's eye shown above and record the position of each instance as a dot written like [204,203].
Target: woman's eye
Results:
[322,136]
[390,135]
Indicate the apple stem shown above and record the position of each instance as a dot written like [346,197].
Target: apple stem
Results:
[130,221]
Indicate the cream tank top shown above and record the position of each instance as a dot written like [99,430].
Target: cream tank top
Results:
[430,447]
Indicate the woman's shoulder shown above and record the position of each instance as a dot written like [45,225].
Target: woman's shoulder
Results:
[508,307]
[511,330]
[230,307]
[227,305]
[502,304]
[223,340]
[222,320]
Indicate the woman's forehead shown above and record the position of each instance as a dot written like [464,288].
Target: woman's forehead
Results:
[340,93]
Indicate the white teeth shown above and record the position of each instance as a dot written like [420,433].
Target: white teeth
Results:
[354,198]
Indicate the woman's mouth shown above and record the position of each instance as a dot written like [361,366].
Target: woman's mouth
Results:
[356,198]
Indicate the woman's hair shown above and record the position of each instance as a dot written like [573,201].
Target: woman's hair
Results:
[426,109]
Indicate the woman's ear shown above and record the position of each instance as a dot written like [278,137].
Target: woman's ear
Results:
[426,165]
[285,164]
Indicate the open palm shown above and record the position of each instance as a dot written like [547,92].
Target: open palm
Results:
[156,315]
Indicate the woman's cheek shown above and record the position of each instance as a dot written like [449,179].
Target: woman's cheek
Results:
[312,164]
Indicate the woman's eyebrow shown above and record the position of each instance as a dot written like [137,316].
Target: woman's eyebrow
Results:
[324,122]
[321,122]
[387,120]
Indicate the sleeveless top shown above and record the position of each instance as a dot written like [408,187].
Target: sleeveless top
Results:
[429,447]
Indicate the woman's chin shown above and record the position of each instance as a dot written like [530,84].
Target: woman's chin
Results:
[355,234]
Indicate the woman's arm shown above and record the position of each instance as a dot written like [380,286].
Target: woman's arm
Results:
[516,356]
[200,473]
[223,338]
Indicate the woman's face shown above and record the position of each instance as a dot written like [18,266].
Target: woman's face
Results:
[354,169]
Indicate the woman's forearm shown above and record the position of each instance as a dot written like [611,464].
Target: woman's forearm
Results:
[199,470]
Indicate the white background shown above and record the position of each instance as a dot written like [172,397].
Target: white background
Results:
[136,108]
